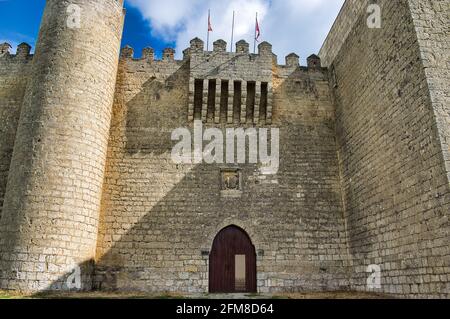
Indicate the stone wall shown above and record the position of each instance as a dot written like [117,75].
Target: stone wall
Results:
[395,184]
[364,157]
[230,68]
[432,24]
[343,25]
[159,219]
[14,75]
[50,214]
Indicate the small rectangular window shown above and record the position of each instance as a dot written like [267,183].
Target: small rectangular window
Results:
[198,99]
[251,94]
[211,101]
[237,102]
[224,95]
[263,105]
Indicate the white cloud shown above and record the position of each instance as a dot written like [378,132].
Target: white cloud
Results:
[290,25]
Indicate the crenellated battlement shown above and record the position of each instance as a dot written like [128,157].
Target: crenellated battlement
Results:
[58,106]
[197,53]
[4,48]
[242,48]
[23,52]
[240,82]
[108,184]
[148,55]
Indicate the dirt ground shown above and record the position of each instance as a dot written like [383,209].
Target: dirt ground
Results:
[117,295]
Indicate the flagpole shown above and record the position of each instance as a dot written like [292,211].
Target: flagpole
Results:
[232,33]
[254,43]
[207,38]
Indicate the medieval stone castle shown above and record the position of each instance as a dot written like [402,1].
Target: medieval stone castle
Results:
[88,187]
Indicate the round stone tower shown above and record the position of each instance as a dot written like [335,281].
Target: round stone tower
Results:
[49,224]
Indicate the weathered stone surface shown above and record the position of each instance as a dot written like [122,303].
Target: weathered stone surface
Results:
[364,157]
[391,96]
[14,75]
[158,217]
[50,213]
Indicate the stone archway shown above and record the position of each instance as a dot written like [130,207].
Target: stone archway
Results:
[232,262]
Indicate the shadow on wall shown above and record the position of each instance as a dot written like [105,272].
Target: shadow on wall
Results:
[159,219]
[154,112]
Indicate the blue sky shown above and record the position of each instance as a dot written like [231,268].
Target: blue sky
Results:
[298,26]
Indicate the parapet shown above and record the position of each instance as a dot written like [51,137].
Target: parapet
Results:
[4,48]
[197,53]
[314,62]
[265,48]
[186,53]
[197,45]
[23,51]
[242,47]
[127,52]
[220,46]
[168,54]
[148,54]
[293,60]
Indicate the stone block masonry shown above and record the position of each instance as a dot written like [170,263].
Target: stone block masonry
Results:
[248,73]
[158,217]
[431,22]
[87,179]
[391,93]
[14,76]
[50,213]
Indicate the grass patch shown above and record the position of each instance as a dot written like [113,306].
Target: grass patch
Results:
[106,295]
[5,295]
[12,295]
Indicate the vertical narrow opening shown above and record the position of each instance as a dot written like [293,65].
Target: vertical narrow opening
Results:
[333,76]
[211,101]
[224,95]
[237,102]
[263,106]
[198,99]
[251,94]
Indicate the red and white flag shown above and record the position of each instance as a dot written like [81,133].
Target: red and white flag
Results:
[209,22]
[257,30]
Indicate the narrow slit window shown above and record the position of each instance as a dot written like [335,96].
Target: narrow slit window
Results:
[263,105]
[224,95]
[198,99]
[237,102]
[251,93]
[211,100]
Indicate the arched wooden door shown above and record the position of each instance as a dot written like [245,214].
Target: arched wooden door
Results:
[232,262]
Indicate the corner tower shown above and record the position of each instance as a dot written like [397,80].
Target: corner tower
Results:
[50,216]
